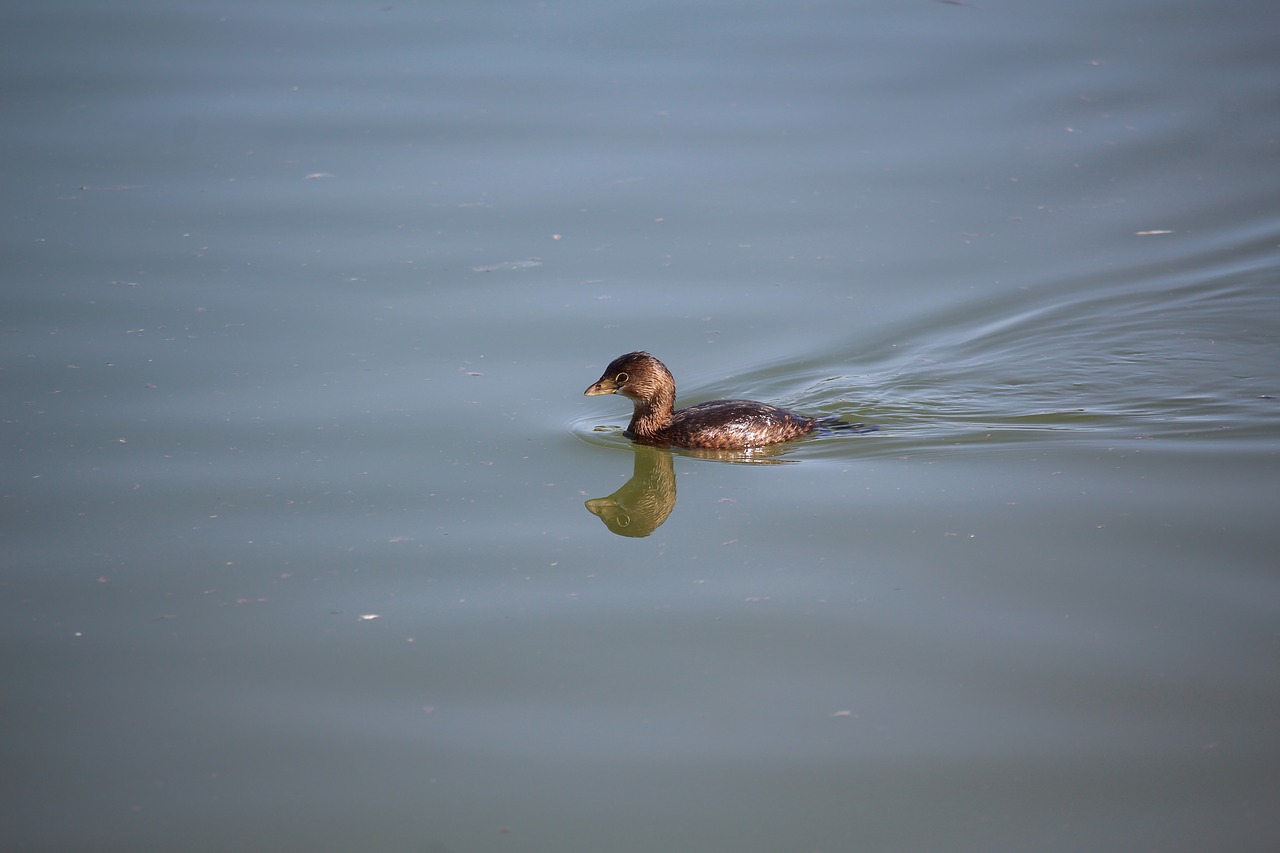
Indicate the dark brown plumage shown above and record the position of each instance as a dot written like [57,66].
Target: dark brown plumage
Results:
[718,425]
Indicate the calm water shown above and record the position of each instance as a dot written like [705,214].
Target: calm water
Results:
[312,543]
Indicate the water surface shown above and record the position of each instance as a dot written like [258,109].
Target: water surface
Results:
[299,302]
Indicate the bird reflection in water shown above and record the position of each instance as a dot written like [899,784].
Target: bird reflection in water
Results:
[644,502]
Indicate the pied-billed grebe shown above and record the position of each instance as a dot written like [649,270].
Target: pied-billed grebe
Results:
[719,425]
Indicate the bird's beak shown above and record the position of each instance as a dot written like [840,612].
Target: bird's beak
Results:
[604,386]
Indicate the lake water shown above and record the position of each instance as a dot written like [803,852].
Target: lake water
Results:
[299,302]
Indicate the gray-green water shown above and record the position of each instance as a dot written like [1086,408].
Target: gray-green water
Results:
[299,300]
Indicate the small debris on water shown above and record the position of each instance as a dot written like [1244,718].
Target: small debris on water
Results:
[509,265]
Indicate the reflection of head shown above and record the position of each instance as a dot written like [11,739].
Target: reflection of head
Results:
[644,502]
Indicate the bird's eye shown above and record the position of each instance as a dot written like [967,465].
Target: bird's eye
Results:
[621,378]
